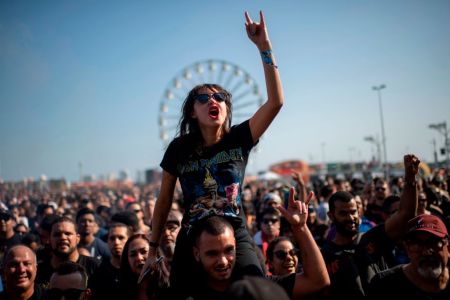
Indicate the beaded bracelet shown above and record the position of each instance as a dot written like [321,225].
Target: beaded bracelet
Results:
[266,57]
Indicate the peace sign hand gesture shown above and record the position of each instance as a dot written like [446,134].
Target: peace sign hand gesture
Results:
[257,32]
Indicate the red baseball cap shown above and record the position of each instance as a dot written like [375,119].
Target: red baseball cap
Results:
[428,223]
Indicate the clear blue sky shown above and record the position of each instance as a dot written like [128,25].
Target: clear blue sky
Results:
[82,81]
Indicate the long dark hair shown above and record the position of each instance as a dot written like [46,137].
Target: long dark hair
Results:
[128,278]
[189,125]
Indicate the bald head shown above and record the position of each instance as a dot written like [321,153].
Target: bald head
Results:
[18,250]
[20,269]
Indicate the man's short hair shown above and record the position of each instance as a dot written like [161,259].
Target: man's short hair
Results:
[128,218]
[70,267]
[47,222]
[62,220]
[42,207]
[85,211]
[325,191]
[117,225]
[214,225]
[339,196]
[388,203]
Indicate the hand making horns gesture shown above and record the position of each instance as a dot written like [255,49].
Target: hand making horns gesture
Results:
[297,211]
[257,32]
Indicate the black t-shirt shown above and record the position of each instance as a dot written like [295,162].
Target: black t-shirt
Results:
[375,253]
[343,270]
[210,177]
[37,295]
[105,282]
[286,282]
[351,267]
[393,284]
[45,269]
[5,244]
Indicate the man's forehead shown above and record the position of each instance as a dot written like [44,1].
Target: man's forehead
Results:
[209,241]
[87,217]
[118,230]
[64,226]
[68,281]
[345,205]
[21,253]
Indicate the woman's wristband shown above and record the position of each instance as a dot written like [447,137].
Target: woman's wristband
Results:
[266,57]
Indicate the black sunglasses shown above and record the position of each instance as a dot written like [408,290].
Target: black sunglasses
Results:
[204,98]
[270,220]
[281,254]
[69,294]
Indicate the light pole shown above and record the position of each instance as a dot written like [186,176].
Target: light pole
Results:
[323,157]
[442,128]
[383,135]
[376,142]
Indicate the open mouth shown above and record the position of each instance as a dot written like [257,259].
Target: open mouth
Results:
[22,278]
[289,266]
[222,271]
[213,112]
[63,245]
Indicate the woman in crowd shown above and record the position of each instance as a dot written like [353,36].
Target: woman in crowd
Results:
[134,255]
[282,257]
[209,159]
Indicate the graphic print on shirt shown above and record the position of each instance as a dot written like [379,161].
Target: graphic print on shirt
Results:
[212,203]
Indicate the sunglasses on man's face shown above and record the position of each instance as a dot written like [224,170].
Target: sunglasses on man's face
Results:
[69,294]
[270,221]
[281,254]
[204,98]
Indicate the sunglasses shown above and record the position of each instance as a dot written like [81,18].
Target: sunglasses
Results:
[137,210]
[204,98]
[69,294]
[270,221]
[281,254]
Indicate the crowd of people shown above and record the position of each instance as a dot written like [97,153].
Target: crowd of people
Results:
[204,232]
[363,237]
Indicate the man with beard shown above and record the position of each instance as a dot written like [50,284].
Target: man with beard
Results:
[105,282]
[352,261]
[427,275]
[63,241]
[169,236]
[19,273]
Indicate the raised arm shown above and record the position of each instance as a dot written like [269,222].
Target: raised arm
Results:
[162,208]
[260,121]
[315,276]
[396,225]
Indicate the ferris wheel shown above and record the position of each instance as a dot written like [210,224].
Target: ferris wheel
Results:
[246,96]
